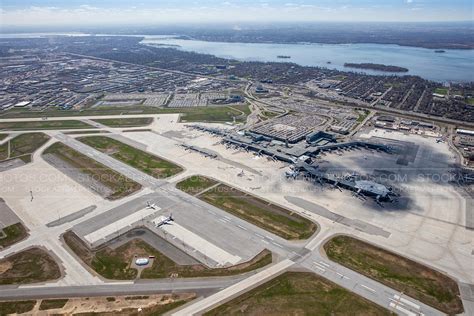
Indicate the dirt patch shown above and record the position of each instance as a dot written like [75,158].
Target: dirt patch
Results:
[5,266]
[143,305]
[126,305]
[29,266]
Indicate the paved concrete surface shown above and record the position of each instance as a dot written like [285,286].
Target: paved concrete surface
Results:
[162,245]
[72,217]
[11,164]
[426,225]
[200,244]
[233,291]
[120,224]
[134,174]
[197,285]
[467,296]
[7,216]
[355,223]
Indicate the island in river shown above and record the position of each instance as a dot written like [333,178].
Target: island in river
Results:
[379,67]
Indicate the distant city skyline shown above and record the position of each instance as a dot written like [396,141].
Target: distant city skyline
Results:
[120,12]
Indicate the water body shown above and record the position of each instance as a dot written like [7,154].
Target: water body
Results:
[453,65]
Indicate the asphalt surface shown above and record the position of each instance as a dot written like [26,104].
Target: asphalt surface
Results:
[212,224]
[132,173]
[365,287]
[7,216]
[201,286]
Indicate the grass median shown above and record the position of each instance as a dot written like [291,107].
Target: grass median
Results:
[194,114]
[52,304]
[16,307]
[139,159]
[195,184]
[125,122]
[120,185]
[414,279]
[216,114]
[28,266]
[271,217]
[32,125]
[299,293]
[13,234]
[22,146]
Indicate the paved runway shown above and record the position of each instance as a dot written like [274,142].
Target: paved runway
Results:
[365,287]
[225,231]
[196,285]
[132,173]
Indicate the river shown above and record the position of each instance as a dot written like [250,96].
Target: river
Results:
[452,65]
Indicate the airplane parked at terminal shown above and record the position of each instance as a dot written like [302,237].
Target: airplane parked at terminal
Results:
[163,221]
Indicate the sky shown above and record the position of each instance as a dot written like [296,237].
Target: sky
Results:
[148,12]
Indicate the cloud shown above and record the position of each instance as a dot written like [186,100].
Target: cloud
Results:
[227,11]
[88,7]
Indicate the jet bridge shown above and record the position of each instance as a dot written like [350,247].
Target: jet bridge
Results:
[360,187]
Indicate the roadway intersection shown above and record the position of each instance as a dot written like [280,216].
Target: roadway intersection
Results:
[195,216]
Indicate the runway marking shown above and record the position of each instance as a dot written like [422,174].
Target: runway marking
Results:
[264,241]
[367,288]
[258,235]
[403,310]
[268,237]
[324,264]
[223,220]
[405,301]
[241,227]
[318,264]
[277,244]
[296,254]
